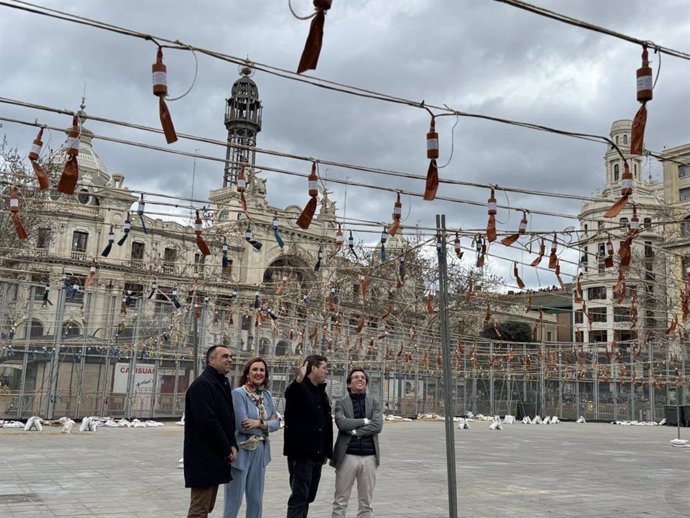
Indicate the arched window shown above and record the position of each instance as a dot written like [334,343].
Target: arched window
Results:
[616,172]
[36,328]
[264,346]
[70,328]
[625,140]
[616,139]
[623,222]
[647,223]
[282,348]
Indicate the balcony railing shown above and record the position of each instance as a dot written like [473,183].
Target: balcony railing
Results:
[78,255]
[169,268]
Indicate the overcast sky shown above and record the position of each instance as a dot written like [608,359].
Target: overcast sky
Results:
[476,56]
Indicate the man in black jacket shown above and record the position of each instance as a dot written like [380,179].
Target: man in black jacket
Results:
[209,432]
[308,433]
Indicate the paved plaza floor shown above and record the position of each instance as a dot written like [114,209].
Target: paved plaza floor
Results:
[563,470]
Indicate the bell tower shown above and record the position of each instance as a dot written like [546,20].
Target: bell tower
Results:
[243,122]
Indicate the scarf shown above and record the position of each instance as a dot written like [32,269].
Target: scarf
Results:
[256,396]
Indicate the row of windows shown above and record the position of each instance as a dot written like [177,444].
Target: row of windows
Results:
[601,336]
[80,242]
[623,223]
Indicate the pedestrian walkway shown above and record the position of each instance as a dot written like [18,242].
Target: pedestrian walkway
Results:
[563,470]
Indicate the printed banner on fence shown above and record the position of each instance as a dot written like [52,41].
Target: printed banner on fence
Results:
[144,376]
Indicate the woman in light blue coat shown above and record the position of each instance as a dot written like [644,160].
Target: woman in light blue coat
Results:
[255,418]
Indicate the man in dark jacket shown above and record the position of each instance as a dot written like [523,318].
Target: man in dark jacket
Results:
[308,433]
[209,432]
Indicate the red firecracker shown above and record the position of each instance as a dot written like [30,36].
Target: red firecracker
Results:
[312,47]
[14,211]
[160,90]
[307,215]
[70,172]
[645,85]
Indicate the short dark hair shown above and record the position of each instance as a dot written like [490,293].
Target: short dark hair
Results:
[357,369]
[314,360]
[245,372]
[210,350]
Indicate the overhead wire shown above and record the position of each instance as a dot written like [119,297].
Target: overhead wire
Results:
[592,27]
[342,88]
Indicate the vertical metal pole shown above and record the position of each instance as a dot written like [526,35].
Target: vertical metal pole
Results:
[25,359]
[560,382]
[632,385]
[614,377]
[55,360]
[447,375]
[129,397]
[651,381]
[82,359]
[195,353]
[491,382]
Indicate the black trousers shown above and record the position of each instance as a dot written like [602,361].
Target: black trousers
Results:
[305,475]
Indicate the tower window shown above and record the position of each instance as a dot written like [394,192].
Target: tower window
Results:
[625,140]
[616,172]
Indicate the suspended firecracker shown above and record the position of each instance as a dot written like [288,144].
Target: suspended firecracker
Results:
[141,207]
[645,85]
[672,327]
[516,274]
[578,289]
[242,188]
[198,230]
[126,229]
[401,272]
[557,271]
[384,238]
[276,232]
[304,219]
[491,225]
[351,245]
[14,212]
[625,251]
[553,258]
[509,240]
[160,90]
[608,262]
[457,246]
[70,172]
[319,257]
[397,214]
[226,262]
[339,240]
[626,192]
[111,240]
[432,153]
[91,277]
[634,221]
[363,287]
[312,47]
[41,175]
[542,251]
[249,238]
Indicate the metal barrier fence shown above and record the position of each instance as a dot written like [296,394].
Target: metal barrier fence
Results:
[94,384]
